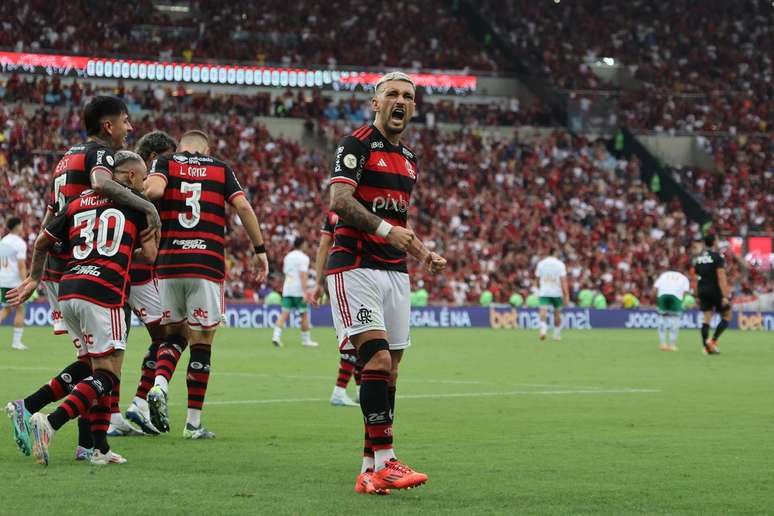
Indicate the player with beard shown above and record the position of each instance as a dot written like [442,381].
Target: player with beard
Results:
[367,274]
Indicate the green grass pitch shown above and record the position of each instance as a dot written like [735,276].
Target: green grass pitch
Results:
[600,423]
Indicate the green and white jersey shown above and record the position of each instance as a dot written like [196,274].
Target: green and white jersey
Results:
[672,283]
[550,272]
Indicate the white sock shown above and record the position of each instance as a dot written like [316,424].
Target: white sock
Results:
[194,417]
[161,382]
[558,330]
[357,390]
[17,335]
[141,403]
[339,391]
[662,338]
[116,418]
[382,456]
[277,333]
[543,327]
[675,329]
[306,336]
[368,463]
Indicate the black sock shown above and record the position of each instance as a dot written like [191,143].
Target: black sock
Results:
[58,387]
[722,325]
[84,433]
[704,334]
[375,404]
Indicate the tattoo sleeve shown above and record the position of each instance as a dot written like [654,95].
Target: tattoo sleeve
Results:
[125,197]
[39,253]
[350,210]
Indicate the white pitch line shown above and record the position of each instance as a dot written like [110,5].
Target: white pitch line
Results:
[437,396]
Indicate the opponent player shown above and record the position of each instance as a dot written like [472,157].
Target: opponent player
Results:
[101,237]
[348,364]
[709,272]
[145,302]
[295,267]
[670,287]
[193,188]
[371,183]
[552,277]
[13,267]
[84,166]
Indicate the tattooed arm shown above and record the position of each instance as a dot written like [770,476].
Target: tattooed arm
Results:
[106,186]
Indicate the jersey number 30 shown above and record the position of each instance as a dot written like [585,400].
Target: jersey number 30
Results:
[86,220]
[193,192]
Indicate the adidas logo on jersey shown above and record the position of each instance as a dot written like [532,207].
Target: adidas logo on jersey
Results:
[382,163]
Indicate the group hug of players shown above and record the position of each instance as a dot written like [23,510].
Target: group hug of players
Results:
[104,245]
[145,229]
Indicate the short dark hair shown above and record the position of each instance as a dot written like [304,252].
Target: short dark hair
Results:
[709,240]
[155,141]
[100,107]
[298,242]
[11,223]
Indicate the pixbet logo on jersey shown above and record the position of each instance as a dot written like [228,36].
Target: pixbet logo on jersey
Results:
[398,204]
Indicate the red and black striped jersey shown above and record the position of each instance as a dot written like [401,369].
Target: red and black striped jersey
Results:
[383,175]
[193,215]
[140,273]
[100,238]
[72,176]
[329,223]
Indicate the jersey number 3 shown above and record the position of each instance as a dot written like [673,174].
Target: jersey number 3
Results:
[192,192]
[86,220]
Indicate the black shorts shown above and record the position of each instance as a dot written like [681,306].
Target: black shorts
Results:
[712,301]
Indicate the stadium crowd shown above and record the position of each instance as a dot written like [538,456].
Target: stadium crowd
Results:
[335,33]
[490,204]
[701,66]
[312,104]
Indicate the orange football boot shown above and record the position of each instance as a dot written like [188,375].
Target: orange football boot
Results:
[396,475]
[365,484]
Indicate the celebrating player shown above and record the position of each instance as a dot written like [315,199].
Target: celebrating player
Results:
[193,188]
[670,288]
[101,237]
[13,267]
[145,302]
[371,183]
[552,276]
[295,266]
[709,271]
[348,364]
[84,166]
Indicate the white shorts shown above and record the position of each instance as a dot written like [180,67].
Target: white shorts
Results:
[196,300]
[371,299]
[52,293]
[98,330]
[145,302]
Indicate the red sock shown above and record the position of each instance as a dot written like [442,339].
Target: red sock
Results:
[169,354]
[346,368]
[78,402]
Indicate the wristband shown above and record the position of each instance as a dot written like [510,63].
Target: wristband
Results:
[259,249]
[384,229]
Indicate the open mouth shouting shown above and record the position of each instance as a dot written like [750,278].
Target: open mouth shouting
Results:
[398,114]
